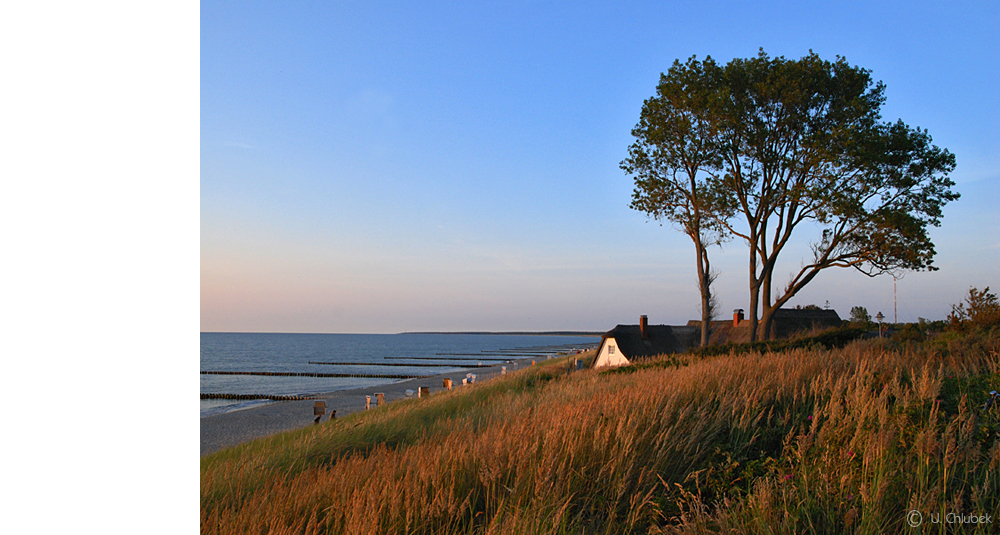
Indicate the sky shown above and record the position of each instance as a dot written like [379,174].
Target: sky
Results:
[382,167]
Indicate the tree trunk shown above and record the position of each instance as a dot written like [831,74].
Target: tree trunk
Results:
[706,316]
[704,285]
[754,299]
[769,309]
[765,322]
[766,309]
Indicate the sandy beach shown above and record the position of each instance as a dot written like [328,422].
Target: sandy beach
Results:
[222,431]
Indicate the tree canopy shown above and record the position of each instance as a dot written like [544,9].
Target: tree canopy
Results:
[784,142]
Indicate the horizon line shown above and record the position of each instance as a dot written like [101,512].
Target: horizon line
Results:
[508,333]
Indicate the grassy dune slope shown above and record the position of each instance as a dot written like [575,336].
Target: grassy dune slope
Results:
[801,441]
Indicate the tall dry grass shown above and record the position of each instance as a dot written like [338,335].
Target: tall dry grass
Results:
[803,441]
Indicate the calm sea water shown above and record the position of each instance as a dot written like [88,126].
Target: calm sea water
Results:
[277,352]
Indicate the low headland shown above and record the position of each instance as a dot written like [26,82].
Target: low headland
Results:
[824,435]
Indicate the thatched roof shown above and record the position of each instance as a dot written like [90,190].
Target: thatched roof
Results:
[662,339]
[786,322]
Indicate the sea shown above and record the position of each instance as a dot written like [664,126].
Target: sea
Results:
[354,354]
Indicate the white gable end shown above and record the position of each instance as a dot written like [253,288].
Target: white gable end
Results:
[610,355]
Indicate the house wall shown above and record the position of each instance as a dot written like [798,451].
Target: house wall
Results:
[610,355]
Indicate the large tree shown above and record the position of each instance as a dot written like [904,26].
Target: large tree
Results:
[673,160]
[803,141]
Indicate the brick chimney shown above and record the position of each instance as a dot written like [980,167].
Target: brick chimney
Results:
[644,327]
[737,317]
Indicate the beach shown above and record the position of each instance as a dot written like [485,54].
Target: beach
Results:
[226,430]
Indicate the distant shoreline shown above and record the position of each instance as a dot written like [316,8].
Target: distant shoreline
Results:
[505,333]
[515,333]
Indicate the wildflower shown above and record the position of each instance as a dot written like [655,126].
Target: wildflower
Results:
[850,454]
[788,476]
[810,417]
[850,516]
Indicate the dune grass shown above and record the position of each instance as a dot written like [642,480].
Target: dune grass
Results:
[805,440]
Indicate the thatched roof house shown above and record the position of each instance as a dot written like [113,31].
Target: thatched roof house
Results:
[627,343]
[786,322]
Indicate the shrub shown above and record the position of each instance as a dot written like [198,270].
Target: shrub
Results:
[911,332]
[860,317]
[830,339]
[981,310]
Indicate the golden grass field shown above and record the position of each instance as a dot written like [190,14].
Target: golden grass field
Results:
[806,440]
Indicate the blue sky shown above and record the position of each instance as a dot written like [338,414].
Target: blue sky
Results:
[385,167]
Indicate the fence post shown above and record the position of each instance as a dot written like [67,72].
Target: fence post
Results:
[368,402]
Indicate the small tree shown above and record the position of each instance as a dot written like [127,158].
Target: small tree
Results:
[981,309]
[860,317]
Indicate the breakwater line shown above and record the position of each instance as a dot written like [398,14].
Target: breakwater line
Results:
[309,374]
[493,356]
[257,396]
[405,364]
[504,359]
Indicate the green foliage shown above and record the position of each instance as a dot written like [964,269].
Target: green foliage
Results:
[659,362]
[911,332]
[860,317]
[981,310]
[834,338]
[676,154]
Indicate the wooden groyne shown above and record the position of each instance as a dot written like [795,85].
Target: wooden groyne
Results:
[298,374]
[447,356]
[494,356]
[257,396]
[404,364]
